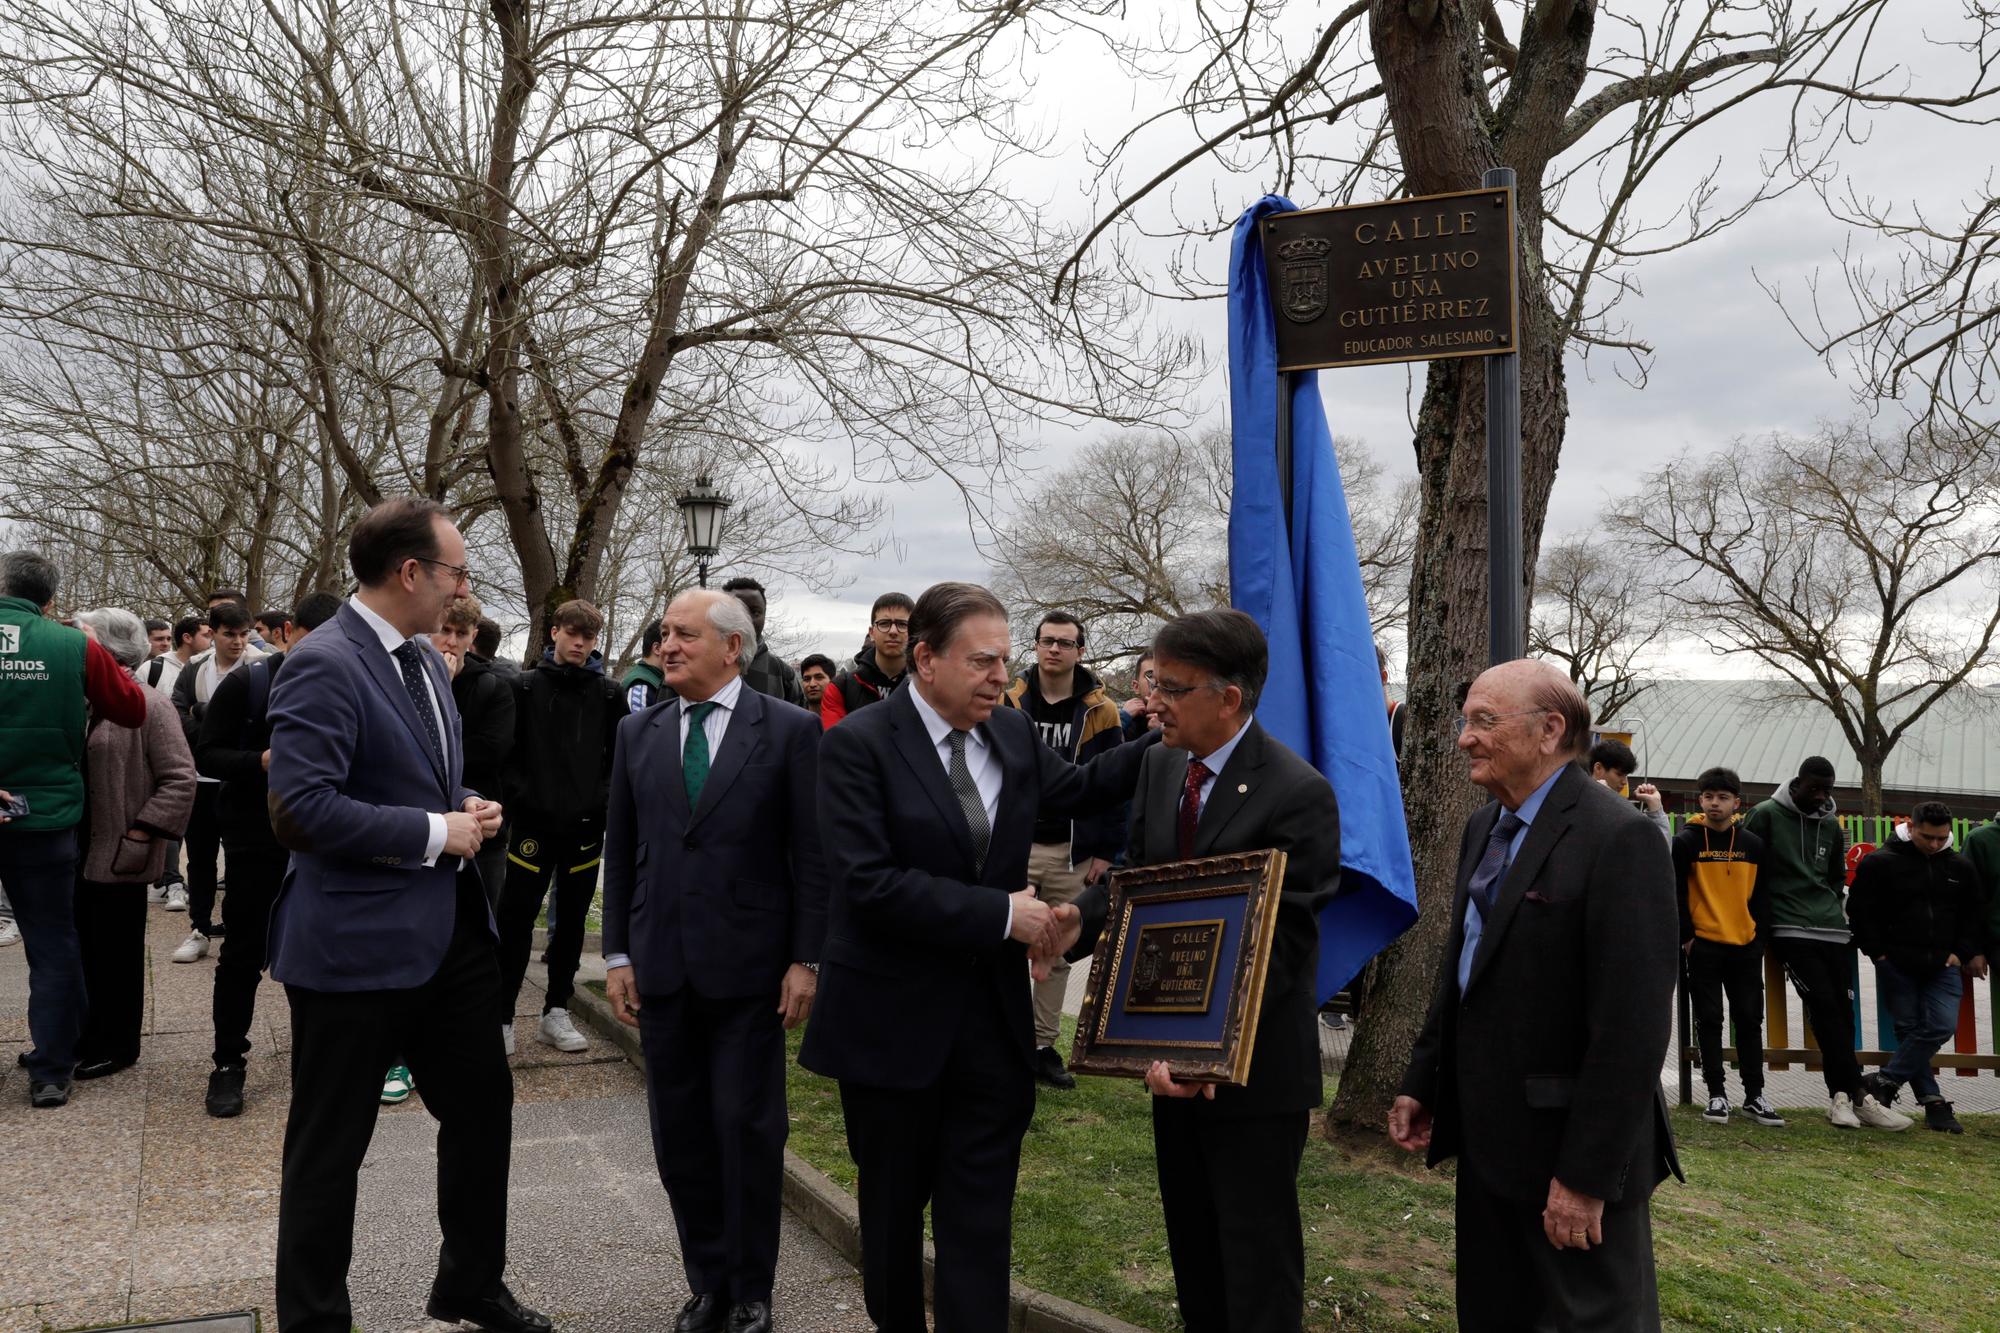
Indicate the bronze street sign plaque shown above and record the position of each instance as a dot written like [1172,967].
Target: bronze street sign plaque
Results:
[1179,970]
[1175,970]
[1404,280]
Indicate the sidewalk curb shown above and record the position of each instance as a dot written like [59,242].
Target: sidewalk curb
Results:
[834,1216]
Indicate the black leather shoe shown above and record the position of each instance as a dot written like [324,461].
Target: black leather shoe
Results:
[99,1068]
[225,1092]
[1049,1069]
[702,1314]
[750,1317]
[496,1311]
[1882,1089]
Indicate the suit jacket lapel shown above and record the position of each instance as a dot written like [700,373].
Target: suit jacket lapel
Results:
[1551,822]
[666,725]
[1163,806]
[1234,786]
[743,738]
[914,744]
[389,678]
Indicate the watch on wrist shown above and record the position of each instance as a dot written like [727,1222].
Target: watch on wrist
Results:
[811,967]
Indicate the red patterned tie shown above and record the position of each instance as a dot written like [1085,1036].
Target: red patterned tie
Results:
[1197,774]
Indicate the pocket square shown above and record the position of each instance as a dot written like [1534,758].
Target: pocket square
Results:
[1536,896]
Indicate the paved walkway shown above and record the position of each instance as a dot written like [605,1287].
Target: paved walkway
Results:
[131,1203]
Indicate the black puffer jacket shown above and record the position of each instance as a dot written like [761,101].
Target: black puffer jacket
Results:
[1914,909]
[565,725]
[485,700]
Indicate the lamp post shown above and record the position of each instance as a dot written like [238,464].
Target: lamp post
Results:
[701,510]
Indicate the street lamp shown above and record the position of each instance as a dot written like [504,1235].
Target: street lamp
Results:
[701,510]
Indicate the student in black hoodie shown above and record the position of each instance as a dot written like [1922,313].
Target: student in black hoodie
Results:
[233,746]
[879,666]
[566,716]
[485,702]
[1915,908]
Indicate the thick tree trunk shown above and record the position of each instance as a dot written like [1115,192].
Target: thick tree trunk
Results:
[1872,764]
[1447,136]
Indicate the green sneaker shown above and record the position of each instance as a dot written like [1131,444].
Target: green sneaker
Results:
[397,1086]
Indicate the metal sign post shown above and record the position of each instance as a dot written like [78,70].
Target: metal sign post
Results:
[1507,627]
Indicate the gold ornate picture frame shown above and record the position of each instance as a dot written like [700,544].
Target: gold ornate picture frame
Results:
[1178,973]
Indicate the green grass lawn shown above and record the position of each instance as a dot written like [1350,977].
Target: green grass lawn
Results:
[1801,1228]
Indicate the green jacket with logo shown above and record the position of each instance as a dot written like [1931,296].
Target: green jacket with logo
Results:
[42,716]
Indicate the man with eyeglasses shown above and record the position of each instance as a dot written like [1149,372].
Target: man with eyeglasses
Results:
[1539,1066]
[1078,721]
[879,666]
[1228,1158]
[381,934]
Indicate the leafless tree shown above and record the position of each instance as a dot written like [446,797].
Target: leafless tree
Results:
[510,249]
[1864,569]
[1598,612]
[1586,100]
[1135,531]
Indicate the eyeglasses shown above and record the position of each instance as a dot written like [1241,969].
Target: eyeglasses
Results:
[1175,693]
[1051,641]
[1483,722]
[459,573]
[888,626]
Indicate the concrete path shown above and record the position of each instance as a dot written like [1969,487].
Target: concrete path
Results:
[131,1203]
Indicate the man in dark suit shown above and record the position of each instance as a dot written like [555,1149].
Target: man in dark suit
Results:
[1228,1158]
[714,913]
[927,807]
[381,934]
[1539,1067]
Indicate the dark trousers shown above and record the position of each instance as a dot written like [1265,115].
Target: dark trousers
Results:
[1230,1192]
[172,873]
[955,1145]
[1511,1280]
[1823,975]
[1738,970]
[341,1043]
[38,872]
[256,871]
[571,857]
[204,840]
[111,938]
[1923,1009]
[715,1084]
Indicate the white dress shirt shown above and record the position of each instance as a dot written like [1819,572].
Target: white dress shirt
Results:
[713,726]
[1215,760]
[392,639]
[979,759]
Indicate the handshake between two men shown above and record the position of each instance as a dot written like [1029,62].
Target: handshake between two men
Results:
[1049,932]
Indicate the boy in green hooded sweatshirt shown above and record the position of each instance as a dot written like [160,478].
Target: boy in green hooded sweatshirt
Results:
[1804,879]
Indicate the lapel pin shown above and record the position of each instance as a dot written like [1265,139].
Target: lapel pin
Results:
[1242,788]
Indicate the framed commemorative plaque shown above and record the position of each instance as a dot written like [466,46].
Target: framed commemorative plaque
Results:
[1178,973]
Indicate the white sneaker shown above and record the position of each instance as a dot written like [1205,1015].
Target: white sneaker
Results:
[1717,1112]
[1877,1116]
[156,893]
[177,898]
[507,1037]
[1841,1113]
[10,933]
[559,1032]
[193,948]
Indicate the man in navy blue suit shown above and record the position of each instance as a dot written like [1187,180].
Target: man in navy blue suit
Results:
[928,807]
[381,934]
[714,912]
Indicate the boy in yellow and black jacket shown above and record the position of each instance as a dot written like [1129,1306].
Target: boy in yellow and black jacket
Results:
[1722,907]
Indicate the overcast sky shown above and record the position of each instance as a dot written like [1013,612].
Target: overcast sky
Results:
[1727,364]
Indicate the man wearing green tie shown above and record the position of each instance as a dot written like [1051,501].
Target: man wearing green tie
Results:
[714,913]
